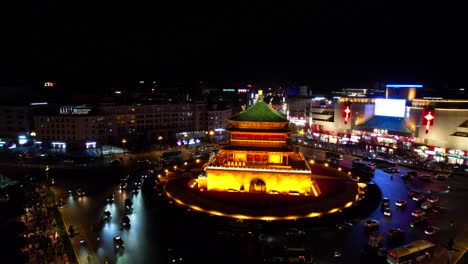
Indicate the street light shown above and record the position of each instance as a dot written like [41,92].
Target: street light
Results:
[211,133]
[160,138]
[124,141]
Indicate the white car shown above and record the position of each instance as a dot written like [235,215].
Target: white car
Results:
[431,230]
[400,203]
[418,198]
[433,199]
[426,205]
[387,212]
[372,223]
[418,213]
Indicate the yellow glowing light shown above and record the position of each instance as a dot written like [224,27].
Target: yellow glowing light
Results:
[340,169]
[185,163]
[326,164]
[349,173]
[268,218]
[197,160]
[312,161]
[333,210]
[348,204]
[314,214]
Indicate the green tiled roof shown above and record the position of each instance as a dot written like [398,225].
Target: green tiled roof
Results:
[259,112]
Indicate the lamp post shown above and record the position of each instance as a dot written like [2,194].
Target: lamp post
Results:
[211,133]
[124,141]
[160,138]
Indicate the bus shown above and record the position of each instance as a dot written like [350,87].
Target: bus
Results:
[171,156]
[418,251]
[382,163]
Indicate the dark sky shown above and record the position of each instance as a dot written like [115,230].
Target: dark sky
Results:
[324,42]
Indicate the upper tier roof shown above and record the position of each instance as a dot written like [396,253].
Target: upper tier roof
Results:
[259,112]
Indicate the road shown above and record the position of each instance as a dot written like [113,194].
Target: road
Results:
[158,225]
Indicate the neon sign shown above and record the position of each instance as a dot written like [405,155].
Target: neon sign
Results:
[428,119]
[346,112]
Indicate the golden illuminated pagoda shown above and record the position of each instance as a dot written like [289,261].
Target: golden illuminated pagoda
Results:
[259,157]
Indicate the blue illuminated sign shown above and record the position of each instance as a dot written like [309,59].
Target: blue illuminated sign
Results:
[404,86]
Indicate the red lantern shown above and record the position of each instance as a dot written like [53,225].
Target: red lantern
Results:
[428,119]
[346,112]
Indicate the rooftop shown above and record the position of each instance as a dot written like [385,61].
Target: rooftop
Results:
[259,112]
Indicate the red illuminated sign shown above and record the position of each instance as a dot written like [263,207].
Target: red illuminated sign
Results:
[428,119]
[346,112]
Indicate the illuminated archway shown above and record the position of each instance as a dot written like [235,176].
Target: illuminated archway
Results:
[257,185]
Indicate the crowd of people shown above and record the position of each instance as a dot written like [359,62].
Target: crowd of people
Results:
[43,244]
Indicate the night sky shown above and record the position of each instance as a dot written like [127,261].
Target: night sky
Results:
[326,43]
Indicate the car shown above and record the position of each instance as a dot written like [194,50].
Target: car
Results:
[413,193]
[425,178]
[294,232]
[136,189]
[128,205]
[440,177]
[385,202]
[418,213]
[387,212]
[118,243]
[419,222]
[344,226]
[116,162]
[126,221]
[432,199]
[390,170]
[395,234]
[107,215]
[407,177]
[110,198]
[371,223]
[431,230]
[80,192]
[426,205]
[419,198]
[401,203]
[174,256]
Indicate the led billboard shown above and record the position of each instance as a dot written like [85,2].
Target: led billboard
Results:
[390,107]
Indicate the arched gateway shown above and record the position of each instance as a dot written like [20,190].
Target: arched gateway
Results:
[257,185]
